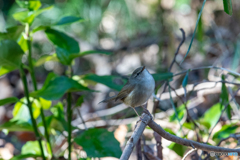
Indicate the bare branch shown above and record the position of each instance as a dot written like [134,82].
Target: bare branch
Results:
[157,128]
[135,137]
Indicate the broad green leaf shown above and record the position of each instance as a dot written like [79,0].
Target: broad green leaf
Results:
[28,16]
[45,104]
[185,80]
[44,59]
[5,70]
[178,148]
[29,4]
[39,28]
[25,156]
[62,40]
[21,111]
[114,82]
[8,100]
[32,147]
[16,125]
[11,54]
[227,4]
[57,87]
[224,98]
[162,76]
[181,111]
[64,56]
[211,116]
[90,52]
[99,142]
[68,20]
[225,132]
[12,33]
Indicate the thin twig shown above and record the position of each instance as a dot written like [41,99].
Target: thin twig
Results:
[189,152]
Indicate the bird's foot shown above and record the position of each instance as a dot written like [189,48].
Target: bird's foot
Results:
[147,112]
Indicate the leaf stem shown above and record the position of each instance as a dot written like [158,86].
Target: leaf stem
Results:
[69,117]
[34,81]
[26,92]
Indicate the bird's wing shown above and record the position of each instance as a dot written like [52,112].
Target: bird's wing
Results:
[125,91]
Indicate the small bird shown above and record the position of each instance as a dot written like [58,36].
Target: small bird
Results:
[138,89]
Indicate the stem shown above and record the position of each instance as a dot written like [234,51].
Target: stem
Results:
[69,117]
[24,80]
[34,81]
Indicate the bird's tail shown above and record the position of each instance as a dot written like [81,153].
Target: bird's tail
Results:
[108,99]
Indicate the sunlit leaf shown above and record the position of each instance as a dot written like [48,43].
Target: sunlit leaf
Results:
[99,142]
[21,111]
[29,4]
[24,156]
[8,100]
[227,4]
[5,70]
[68,20]
[23,43]
[62,40]
[181,111]
[225,132]
[16,125]
[57,87]
[211,116]
[11,54]
[28,16]
[45,58]
[32,147]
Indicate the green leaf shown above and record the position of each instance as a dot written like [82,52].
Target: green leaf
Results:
[12,33]
[199,16]
[185,80]
[178,148]
[44,59]
[225,132]
[64,56]
[23,43]
[80,101]
[57,87]
[99,143]
[62,40]
[5,70]
[28,16]
[90,52]
[24,156]
[58,122]
[29,4]
[32,147]
[8,100]
[162,76]
[211,116]
[68,20]
[21,111]
[114,82]
[16,125]
[181,111]
[227,4]
[224,99]
[10,55]
[45,104]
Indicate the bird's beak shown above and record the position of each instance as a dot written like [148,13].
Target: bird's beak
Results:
[143,68]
